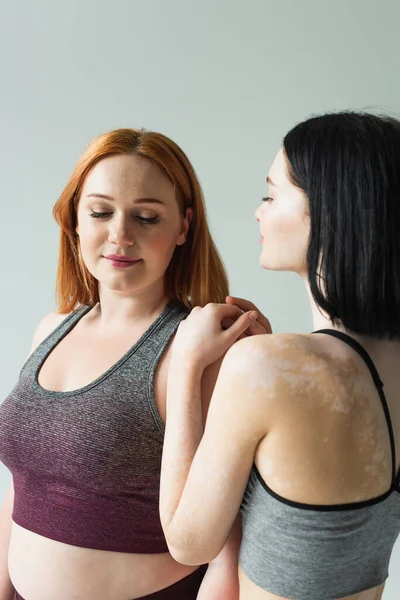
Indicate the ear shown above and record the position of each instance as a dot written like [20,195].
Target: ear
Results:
[187,219]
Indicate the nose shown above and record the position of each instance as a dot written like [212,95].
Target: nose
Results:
[257,214]
[120,232]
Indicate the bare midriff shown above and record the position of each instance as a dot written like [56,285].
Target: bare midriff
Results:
[43,568]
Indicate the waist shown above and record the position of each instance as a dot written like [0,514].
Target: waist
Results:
[41,567]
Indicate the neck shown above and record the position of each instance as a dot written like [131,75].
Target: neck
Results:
[118,308]
[320,319]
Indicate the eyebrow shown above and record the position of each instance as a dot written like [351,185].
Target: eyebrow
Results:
[270,182]
[136,201]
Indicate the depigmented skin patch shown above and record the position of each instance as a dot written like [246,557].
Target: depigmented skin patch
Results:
[328,440]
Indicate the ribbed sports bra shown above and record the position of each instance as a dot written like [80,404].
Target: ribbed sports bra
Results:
[313,552]
[86,463]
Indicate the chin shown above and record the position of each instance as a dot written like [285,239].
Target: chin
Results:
[275,263]
[270,265]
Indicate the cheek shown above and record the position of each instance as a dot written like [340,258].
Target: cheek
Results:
[158,242]
[89,234]
[92,238]
[285,239]
[278,223]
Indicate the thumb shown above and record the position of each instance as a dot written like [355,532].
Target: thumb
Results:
[239,326]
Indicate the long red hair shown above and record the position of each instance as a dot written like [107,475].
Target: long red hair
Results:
[195,275]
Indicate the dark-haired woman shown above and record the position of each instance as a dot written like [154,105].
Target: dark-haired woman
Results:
[303,431]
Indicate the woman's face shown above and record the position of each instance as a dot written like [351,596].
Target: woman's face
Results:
[284,222]
[129,224]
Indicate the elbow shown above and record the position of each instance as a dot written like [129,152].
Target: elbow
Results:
[189,551]
[186,556]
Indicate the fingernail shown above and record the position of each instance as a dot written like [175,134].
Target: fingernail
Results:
[253,315]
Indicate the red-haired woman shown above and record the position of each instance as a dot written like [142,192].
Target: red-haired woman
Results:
[82,430]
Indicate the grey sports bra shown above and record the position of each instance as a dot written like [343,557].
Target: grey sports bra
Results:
[312,552]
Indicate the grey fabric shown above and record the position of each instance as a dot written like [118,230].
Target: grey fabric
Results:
[306,552]
[86,463]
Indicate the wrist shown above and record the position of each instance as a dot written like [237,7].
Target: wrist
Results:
[184,386]
[187,362]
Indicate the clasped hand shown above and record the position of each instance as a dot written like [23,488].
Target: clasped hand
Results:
[209,331]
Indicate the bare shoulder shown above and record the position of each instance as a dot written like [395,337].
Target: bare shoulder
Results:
[278,350]
[265,360]
[46,325]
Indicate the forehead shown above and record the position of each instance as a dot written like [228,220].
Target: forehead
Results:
[128,174]
[278,172]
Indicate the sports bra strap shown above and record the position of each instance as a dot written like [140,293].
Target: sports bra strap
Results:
[347,339]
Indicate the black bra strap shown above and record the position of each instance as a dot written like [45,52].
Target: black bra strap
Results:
[347,339]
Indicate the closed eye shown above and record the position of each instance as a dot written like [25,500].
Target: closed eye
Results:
[143,220]
[148,220]
[267,199]
[99,215]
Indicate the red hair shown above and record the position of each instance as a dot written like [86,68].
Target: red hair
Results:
[195,275]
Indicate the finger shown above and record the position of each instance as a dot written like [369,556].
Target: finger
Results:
[247,305]
[264,323]
[254,329]
[239,326]
[226,323]
[240,303]
[257,328]
[225,311]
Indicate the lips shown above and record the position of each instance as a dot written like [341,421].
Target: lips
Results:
[121,258]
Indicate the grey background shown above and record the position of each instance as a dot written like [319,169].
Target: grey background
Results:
[224,79]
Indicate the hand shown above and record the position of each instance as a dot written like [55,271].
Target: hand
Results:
[260,326]
[204,336]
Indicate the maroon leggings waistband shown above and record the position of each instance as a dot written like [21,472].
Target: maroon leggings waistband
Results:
[184,589]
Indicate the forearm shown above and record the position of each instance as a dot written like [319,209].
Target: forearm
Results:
[183,432]
[221,581]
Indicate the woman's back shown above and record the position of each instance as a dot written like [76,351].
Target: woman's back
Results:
[290,521]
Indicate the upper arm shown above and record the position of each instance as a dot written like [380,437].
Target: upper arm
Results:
[219,473]
[208,382]
[45,327]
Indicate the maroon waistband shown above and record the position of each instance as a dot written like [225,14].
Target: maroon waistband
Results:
[125,527]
